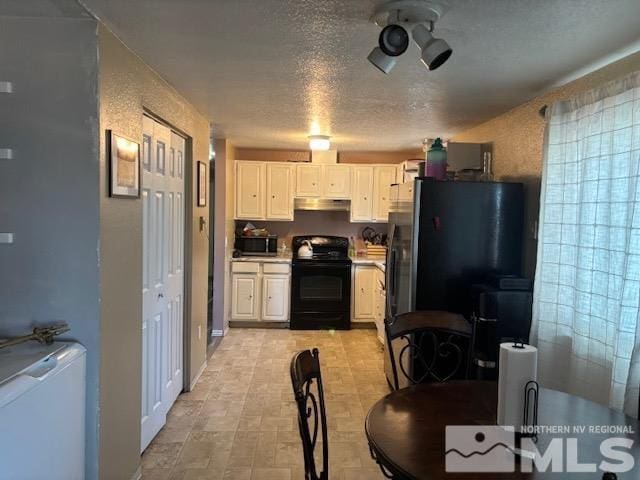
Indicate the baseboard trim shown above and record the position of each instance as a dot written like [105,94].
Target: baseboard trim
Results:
[198,375]
[365,325]
[215,342]
[246,324]
[138,474]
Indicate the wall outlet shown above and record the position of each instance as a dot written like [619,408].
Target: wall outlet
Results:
[6,153]
[6,87]
[6,237]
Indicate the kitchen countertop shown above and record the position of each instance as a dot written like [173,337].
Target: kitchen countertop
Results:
[362,260]
[365,260]
[279,259]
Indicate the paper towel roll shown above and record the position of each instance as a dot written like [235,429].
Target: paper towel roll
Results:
[518,365]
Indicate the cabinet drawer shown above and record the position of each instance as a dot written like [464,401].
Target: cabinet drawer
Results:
[245,267]
[275,268]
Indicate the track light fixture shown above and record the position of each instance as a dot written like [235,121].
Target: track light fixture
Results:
[397,18]
[392,42]
[435,51]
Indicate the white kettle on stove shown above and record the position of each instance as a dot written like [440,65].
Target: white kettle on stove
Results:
[305,250]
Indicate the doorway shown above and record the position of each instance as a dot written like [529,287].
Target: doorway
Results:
[163,185]
[211,237]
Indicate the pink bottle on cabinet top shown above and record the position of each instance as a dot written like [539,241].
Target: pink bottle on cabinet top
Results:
[437,161]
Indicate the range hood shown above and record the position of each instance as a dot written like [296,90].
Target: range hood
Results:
[322,204]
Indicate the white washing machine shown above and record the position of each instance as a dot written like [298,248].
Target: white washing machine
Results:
[42,411]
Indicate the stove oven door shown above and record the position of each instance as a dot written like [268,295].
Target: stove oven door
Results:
[320,289]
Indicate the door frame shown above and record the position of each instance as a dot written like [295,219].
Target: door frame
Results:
[187,260]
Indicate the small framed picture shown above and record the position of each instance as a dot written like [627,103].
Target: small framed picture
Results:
[202,184]
[124,166]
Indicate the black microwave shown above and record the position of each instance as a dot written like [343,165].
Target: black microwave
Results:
[257,246]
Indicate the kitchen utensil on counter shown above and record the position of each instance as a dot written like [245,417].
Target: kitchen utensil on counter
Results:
[370,235]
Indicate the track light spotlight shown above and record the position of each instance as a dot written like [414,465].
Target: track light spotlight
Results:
[435,51]
[381,60]
[392,42]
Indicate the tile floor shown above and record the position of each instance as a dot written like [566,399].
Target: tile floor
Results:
[239,422]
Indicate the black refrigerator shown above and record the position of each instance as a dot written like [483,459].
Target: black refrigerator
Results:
[445,237]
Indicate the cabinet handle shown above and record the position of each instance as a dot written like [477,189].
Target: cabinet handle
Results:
[269,298]
[364,197]
[254,196]
[250,297]
[332,184]
[313,184]
[273,196]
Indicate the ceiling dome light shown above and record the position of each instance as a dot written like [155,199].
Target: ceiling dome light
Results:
[435,51]
[319,142]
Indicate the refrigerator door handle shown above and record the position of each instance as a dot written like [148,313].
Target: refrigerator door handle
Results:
[391,272]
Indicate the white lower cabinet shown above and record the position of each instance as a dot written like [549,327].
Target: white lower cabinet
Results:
[245,294]
[260,291]
[364,293]
[275,298]
[369,296]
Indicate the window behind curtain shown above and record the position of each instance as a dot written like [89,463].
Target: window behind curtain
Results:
[587,289]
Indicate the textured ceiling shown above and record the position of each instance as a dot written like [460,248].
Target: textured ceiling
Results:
[268,71]
[42,8]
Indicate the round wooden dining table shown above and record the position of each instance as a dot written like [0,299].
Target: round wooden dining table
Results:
[406,431]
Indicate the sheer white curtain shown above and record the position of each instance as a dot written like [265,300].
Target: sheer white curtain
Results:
[587,286]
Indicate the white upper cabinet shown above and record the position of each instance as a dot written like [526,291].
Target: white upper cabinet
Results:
[279,191]
[336,183]
[266,190]
[362,194]
[250,193]
[383,178]
[308,180]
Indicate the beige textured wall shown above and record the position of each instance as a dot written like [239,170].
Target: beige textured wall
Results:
[273,155]
[223,231]
[517,138]
[126,87]
[229,227]
[379,157]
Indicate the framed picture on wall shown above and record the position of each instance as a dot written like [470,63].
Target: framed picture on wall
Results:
[124,166]
[202,184]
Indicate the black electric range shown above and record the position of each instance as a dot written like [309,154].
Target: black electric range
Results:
[321,284]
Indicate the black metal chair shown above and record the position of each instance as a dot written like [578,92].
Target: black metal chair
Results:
[437,346]
[309,395]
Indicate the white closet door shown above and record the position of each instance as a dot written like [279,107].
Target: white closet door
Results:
[162,284]
[175,272]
